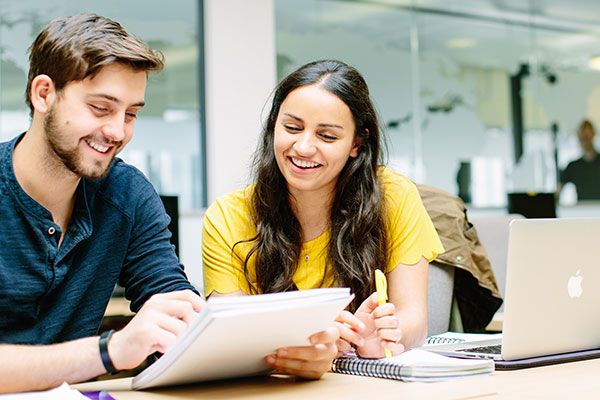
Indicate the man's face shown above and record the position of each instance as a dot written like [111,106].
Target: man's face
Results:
[92,120]
[586,138]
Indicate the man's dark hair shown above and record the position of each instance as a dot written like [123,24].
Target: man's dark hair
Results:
[77,47]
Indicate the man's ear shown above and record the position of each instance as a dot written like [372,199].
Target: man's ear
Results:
[42,93]
[356,147]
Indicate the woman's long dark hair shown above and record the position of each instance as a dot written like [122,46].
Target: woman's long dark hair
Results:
[357,244]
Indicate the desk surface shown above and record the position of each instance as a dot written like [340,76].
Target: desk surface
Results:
[572,380]
[117,306]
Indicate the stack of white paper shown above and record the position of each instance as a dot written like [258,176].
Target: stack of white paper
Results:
[233,335]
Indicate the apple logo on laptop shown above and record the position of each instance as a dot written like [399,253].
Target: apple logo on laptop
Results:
[574,285]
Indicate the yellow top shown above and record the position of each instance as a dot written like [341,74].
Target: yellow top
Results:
[411,235]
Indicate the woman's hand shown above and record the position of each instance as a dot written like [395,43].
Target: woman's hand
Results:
[309,362]
[382,329]
[351,329]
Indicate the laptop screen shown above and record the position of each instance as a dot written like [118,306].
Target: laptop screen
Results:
[532,205]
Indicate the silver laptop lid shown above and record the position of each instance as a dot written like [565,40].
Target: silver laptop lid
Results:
[552,287]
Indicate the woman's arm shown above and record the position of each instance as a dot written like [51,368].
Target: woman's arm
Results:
[407,291]
[156,327]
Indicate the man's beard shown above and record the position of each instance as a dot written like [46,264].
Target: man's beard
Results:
[71,158]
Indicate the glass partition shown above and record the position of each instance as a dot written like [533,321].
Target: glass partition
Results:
[479,98]
[167,141]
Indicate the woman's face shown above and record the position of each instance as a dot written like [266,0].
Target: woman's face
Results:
[314,137]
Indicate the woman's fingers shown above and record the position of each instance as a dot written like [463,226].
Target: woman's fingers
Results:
[390,335]
[343,347]
[346,317]
[395,348]
[348,334]
[309,362]
[387,322]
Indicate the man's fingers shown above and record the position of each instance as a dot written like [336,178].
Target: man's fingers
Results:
[163,340]
[183,295]
[156,327]
[172,324]
[177,308]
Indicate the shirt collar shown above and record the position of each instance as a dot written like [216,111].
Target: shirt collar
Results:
[84,193]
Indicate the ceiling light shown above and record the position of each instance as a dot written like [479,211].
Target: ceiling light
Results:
[461,43]
[594,62]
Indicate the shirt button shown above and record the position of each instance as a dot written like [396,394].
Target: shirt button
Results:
[51,231]
[459,258]
[306,257]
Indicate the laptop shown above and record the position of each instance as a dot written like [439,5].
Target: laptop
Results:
[552,295]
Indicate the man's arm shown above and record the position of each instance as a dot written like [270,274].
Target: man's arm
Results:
[29,368]
[151,265]
[156,327]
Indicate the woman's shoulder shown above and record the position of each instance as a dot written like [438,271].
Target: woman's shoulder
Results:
[234,206]
[395,186]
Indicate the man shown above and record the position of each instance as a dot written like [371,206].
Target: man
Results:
[585,171]
[76,220]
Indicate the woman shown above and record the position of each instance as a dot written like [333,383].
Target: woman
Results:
[323,213]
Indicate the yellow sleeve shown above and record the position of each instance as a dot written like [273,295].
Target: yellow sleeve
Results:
[411,234]
[226,222]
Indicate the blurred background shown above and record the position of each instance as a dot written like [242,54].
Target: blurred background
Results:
[480,98]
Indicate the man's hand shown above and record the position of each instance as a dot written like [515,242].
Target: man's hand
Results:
[156,327]
[309,362]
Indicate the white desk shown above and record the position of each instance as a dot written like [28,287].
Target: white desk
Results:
[578,380]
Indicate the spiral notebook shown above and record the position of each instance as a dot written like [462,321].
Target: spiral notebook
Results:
[413,366]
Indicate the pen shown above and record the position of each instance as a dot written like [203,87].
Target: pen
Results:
[381,287]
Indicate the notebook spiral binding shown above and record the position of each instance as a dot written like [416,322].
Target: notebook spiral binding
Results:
[365,367]
[443,340]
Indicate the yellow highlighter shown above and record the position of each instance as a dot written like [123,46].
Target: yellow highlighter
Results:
[381,287]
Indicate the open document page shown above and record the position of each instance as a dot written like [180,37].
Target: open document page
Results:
[232,335]
[62,392]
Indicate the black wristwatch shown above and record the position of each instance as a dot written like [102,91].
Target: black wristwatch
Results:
[106,361]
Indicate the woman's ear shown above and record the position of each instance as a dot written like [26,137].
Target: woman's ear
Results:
[42,93]
[358,141]
[356,147]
